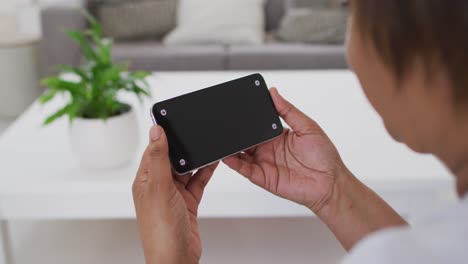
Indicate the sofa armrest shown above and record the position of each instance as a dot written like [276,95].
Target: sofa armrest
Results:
[55,47]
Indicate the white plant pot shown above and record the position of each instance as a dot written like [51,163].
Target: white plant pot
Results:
[99,144]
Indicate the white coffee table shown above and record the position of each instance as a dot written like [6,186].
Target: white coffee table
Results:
[39,178]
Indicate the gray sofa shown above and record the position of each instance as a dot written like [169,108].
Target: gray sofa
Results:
[56,48]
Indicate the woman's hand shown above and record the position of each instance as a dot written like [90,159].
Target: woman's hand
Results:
[166,205]
[302,165]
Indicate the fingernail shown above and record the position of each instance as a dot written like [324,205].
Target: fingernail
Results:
[273,90]
[155,133]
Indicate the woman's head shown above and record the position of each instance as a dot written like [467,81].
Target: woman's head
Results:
[410,58]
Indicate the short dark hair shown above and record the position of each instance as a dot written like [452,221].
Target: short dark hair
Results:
[430,30]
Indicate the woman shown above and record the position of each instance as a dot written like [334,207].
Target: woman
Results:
[410,58]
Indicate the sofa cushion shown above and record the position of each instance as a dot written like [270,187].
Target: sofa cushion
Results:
[274,11]
[56,48]
[320,26]
[309,3]
[218,22]
[138,19]
[286,56]
[153,56]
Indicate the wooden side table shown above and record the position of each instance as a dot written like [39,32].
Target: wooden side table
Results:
[19,85]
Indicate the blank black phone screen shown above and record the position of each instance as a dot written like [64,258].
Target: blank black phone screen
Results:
[213,123]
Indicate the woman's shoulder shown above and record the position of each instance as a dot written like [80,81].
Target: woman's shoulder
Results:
[440,238]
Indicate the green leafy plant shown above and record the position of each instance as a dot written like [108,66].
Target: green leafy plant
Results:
[95,84]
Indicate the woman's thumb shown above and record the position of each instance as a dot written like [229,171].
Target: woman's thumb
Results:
[159,166]
[299,122]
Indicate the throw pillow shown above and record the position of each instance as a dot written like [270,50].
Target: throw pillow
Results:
[137,19]
[311,3]
[320,26]
[218,22]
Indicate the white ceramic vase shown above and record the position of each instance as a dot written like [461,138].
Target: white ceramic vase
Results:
[99,144]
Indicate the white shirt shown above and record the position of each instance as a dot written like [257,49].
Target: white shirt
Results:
[441,238]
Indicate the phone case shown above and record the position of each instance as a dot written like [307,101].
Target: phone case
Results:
[210,124]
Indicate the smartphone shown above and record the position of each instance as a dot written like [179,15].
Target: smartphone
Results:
[214,123]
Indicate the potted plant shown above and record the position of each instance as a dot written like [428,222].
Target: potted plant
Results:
[103,130]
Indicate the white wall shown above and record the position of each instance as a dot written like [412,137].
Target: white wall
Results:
[7,19]
[10,4]
[23,15]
